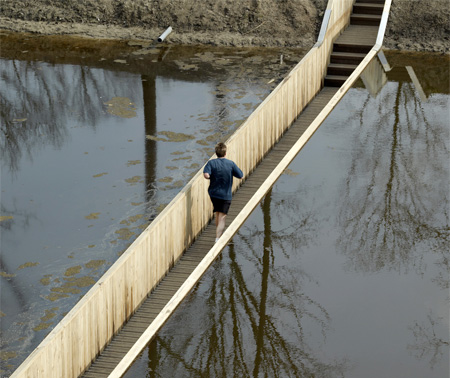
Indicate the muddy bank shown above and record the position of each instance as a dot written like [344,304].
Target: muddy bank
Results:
[413,25]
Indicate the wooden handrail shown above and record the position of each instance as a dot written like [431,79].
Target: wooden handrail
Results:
[383,23]
[324,27]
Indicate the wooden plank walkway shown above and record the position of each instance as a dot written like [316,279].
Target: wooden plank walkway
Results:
[148,311]
[359,35]
[349,49]
[96,329]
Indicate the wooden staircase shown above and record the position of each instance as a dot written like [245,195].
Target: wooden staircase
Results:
[356,41]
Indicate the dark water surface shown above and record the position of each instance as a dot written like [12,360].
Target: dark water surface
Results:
[343,269]
[96,138]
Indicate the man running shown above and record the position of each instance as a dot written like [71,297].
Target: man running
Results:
[220,172]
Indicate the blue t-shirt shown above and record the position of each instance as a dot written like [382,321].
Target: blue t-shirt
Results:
[221,172]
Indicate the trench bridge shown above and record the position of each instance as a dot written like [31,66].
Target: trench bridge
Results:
[105,332]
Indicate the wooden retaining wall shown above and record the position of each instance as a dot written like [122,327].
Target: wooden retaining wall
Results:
[73,344]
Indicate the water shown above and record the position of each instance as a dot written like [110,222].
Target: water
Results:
[96,138]
[343,269]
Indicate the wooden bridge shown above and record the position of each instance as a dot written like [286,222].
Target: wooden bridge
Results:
[104,333]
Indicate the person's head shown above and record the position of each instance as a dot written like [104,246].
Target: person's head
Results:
[221,149]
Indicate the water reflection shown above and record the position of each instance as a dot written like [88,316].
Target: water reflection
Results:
[394,197]
[149,99]
[374,77]
[96,137]
[340,271]
[255,315]
[428,344]
[36,105]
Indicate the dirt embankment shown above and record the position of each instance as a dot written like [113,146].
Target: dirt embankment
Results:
[413,24]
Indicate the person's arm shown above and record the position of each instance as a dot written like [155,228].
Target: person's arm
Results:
[207,171]
[237,172]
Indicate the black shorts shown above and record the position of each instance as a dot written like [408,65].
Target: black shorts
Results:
[220,205]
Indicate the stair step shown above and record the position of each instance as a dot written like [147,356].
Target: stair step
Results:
[367,8]
[340,69]
[351,47]
[346,57]
[335,80]
[365,19]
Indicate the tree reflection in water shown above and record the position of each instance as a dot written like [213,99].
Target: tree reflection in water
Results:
[37,102]
[393,203]
[248,320]
[59,100]
[427,342]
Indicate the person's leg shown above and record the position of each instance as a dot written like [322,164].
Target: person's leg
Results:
[220,224]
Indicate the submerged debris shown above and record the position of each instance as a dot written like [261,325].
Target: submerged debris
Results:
[125,233]
[92,216]
[27,265]
[72,271]
[100,174]
[171,137]
[95,264]
[121,107]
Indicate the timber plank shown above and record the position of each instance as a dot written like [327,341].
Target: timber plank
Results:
[120,347]
[154,311]
[102,371]
[154,308]
[144,318]
[154,299]
[135,323]
[104,363]
[132,333]
[192,258]
[91,374]
[124,338]
[114,353]
[118,343]
[138,328]
[182,269]
[107,363]
[173,280]
[149,316]
[154,303]
[127,335]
